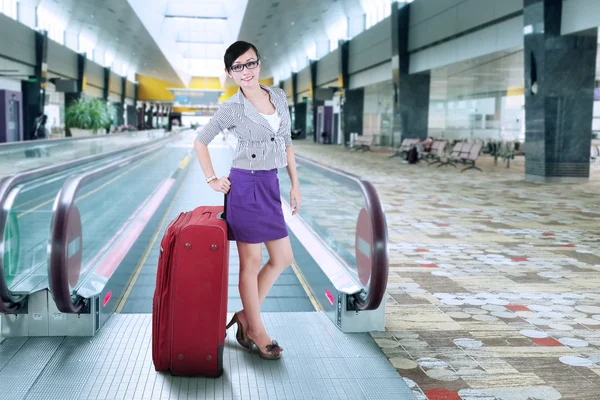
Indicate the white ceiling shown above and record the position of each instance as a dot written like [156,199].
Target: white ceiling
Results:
[283,30]
[174,49]
[114,27]
[148,36]
[193,34]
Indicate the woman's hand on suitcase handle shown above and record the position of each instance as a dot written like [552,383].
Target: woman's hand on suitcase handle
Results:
[221,185]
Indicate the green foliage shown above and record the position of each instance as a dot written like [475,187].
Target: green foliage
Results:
[85,113]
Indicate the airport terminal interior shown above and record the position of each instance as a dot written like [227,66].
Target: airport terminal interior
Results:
[448,243]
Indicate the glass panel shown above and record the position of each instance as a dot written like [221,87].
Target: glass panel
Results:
[29,207]
[331,207]
[26,238]
[23,156]
[115,209]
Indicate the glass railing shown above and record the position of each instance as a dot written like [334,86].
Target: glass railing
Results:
[99,215]
[345,213]
[26,201]
[16,157]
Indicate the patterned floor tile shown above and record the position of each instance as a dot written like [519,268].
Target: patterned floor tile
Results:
[493,291]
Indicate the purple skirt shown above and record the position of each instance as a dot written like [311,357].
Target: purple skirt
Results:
[254,212]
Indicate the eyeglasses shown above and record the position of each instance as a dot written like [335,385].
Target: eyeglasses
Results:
[240,67]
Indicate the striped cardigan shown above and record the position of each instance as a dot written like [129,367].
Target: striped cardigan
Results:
[259,146]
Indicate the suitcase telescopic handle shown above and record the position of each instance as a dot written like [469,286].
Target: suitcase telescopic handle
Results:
[222,216]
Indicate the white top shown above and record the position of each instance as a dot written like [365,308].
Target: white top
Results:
[273,120]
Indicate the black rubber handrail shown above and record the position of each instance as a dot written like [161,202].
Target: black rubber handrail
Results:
[380,254]
[10,303]
[65,200]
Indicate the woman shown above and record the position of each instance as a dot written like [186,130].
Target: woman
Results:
[258,116]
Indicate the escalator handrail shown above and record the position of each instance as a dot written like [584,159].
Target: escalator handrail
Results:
[380,259]
[9,302]
[42,142]
[58,279]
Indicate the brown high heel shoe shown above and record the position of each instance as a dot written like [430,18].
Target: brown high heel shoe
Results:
[240,331]
[273,350]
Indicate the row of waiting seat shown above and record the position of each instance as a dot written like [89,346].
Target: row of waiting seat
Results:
[466,152]
[463,152]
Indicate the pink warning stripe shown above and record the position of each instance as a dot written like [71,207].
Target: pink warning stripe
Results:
[118,252]
[329,296]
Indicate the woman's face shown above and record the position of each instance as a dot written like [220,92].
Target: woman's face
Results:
[246,77]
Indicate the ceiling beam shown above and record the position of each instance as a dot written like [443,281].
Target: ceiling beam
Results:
[196,17]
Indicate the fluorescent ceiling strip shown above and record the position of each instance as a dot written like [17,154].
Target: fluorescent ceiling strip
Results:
[194,17]
[198,42]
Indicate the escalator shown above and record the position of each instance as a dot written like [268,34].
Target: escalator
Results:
[103,244]
[104,248]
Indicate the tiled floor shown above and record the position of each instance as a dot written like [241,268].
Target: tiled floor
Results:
[494,285]
[320,362]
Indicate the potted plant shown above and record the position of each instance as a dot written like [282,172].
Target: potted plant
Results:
[88,116]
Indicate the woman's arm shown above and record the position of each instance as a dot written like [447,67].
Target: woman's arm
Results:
[203,139]
[291,161]
[219,185]
[204,158]
[291,166]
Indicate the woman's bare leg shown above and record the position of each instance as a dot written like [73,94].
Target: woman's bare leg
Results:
[280,257]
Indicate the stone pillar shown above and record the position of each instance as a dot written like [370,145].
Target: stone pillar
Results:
[352,100]
[295,88]
[352,112]
[559,95]
[121,106]
[411,91]
[106,87]
[313,92]
[72,97]
[134,121]
[344,77]
[34,89]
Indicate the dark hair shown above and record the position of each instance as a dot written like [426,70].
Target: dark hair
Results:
[236,50]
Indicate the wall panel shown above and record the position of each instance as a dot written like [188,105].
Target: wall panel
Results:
[62,60]
[371,47]
[435,20]
[328,68]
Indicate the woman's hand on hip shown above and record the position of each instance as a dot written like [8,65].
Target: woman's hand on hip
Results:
[295,197]
[221,185]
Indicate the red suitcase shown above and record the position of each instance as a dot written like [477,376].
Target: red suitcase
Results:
[190,300]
